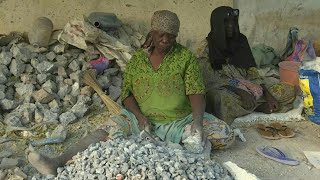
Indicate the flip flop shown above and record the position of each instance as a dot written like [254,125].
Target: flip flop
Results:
[283,130]
[267,132]
[276,155]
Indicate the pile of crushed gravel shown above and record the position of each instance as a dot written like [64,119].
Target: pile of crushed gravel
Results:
[137,159]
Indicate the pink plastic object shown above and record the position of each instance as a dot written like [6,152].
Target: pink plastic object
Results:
[289,72]
[100,64]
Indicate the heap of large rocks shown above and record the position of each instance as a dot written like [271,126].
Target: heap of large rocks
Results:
[45,85]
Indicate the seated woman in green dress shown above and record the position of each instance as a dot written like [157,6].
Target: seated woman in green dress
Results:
[162,93]
[233,85]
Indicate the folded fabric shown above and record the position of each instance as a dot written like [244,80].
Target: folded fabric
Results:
[264,55]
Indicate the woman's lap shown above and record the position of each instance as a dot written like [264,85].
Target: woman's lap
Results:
[219,133]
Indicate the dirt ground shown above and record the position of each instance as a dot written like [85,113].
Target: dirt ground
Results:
[245,156]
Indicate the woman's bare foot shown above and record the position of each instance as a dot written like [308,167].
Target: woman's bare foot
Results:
[43,164]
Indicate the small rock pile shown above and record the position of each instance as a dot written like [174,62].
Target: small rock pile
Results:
[137,159]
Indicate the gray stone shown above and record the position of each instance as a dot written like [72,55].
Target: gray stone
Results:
[59,80]
[104,82]
[5,58]
[17,67]
[64,89]
[61,61]
[5,154]
[42,78]
[3,78]
[3,174]
[8,163]
[76,76]
[91,56]
[24,90]
[34,55]
[75,89]
[51,56]
[111,71]
[42,96]
[74,65]
[7,104]
[21,53]
[114,92]
[50,86]
[62,72]
[2,95]
[50,116]
[29,68]
[55,106]
[68,81]
[34,62]
[67,118]
[13,119]
[38,116]
[59,48]
[28,78]
[86,66]
[9,92]
[97,101]
[74,52]
[4,69]
[26,107]
[116,81]
[81,57]
[42,58]
[87,91]
[3,88]
[84,99]
[45,67]
[69,101]
[79,109]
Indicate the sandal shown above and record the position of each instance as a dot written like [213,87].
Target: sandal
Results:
[283,130]
[276,155]
[267,132]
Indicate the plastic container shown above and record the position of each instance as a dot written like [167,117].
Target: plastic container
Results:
[40,33]
[289,72]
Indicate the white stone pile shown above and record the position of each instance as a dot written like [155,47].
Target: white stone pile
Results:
[136,159]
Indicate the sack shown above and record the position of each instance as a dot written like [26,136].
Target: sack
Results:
[309,84]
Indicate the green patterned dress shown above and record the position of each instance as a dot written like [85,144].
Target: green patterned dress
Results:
[162,96]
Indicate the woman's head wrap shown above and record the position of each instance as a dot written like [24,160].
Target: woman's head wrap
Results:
[166,21]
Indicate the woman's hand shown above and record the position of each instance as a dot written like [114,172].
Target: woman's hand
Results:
[197,127]
[272,103]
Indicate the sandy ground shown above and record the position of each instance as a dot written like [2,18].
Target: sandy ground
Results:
[245,156]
